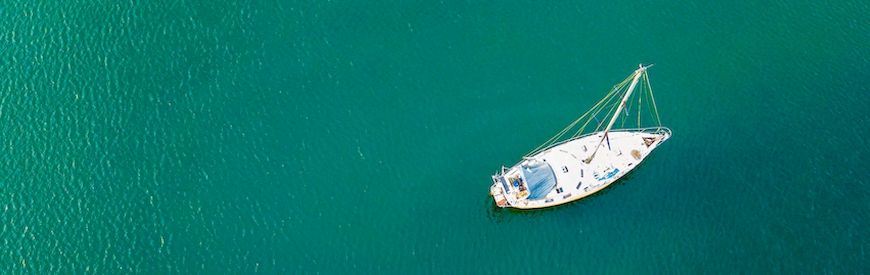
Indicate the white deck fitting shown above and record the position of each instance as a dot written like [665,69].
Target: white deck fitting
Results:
[583,179]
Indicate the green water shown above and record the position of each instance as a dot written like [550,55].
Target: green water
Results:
[355,137]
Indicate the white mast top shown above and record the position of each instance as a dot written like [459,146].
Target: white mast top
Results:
[637,75]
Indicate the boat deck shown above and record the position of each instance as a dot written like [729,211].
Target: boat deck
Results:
[576,179]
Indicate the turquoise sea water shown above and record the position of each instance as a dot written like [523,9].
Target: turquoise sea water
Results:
[357,137]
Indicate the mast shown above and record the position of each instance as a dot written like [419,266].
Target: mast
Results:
[637,74]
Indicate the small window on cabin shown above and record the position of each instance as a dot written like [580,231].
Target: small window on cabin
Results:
[564,169]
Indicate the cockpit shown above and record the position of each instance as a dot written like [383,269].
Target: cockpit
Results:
[533,180]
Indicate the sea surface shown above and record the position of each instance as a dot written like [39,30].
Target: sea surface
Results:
[336,137]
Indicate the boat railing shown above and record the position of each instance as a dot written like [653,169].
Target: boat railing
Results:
[648,130]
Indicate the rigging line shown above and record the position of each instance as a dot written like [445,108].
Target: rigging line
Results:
[575,122]
[624,118]
[649,111]
[555,137]
[566,129]
[593,115]
[640,105]
[611,96]
[653,99]
[561,133]
[625,115]
[598,107]
[597,128]
[613,106]
[623,102]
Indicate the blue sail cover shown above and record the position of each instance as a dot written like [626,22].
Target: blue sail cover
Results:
[540,178]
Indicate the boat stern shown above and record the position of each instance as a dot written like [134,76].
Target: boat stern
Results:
[498,193]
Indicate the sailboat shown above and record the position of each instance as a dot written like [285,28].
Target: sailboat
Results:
[568,168]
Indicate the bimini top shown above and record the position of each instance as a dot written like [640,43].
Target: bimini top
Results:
[540,178]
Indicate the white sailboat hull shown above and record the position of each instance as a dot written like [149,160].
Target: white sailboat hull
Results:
[575,179]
